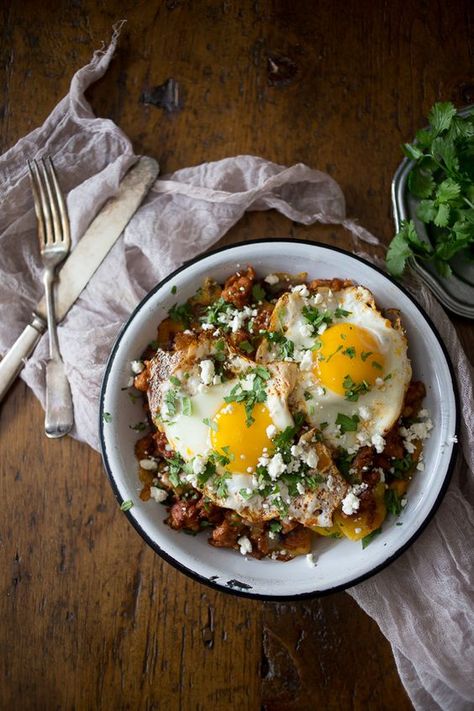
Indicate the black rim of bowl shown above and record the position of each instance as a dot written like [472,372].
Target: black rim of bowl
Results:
[234,587]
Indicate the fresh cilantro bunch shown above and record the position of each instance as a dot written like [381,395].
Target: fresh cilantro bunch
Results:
[442,178]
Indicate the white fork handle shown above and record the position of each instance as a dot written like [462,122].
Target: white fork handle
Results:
[14,360]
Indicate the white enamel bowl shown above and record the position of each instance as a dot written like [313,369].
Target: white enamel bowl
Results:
[339,564]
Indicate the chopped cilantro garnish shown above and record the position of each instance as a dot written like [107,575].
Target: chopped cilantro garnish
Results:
[258,292]
[187,406]
[246,346]
[139,427]
[215,311]
[174,289]
[349,352]
[377,365]
[181,313]
[341,313]
[323,425]
[344,462]
[220,483]
[315,317]
[275,526]
[250,397]
[285,345]
[307,395]
[171,399]
[126,505]
[246,494]
[402,466]
[367,540]
[107,417]
[175,381]
[393,502]
[365,354]
[210,423]
[353,390]
[339,348]
[346,423]
[176,465]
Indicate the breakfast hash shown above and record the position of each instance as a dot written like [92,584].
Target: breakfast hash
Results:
[279,409]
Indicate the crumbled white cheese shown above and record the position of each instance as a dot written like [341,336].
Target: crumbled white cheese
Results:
[330,483]
[249,470]
[306,330]
[317,299]
[379,381]
[357,530]
[310,560]
[137,366]
[148,464]
[350,504]
[310,458]
[420,466]
[364,413]
[300,488]
[198,464]
[217,380]
[245,545]
[403,502]
[130,382]
[207,371]
[322,328]
[157,494]
[207,326]
[271,279]
[307,361]
[378,442]
[276,466]
[301,289]
[296,450]
[416,431]
[226,411]
[271,431]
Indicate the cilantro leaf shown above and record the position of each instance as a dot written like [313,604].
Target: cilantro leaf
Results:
[421,182]
[441,115]
[258,292]
[393,502]
[367,540]
[181,313]
[346,423]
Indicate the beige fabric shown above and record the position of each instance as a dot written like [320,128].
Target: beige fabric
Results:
[424,601]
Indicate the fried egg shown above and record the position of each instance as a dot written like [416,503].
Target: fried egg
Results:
[221,413]
[353,363]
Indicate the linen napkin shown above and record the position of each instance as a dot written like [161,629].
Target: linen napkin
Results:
[423,602]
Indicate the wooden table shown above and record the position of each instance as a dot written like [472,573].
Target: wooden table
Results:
[90,617]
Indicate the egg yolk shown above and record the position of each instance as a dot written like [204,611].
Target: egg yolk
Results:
[347,350]
[245,444]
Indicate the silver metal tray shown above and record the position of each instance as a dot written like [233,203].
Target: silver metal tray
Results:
[457,292]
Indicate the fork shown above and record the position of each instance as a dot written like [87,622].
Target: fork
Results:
[55,244]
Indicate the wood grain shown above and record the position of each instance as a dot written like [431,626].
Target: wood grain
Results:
[91,618]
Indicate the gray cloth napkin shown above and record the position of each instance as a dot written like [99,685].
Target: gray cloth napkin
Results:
[423,602]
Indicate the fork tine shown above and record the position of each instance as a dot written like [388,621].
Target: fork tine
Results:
[37,201]
[51,202]
[65,232]
[48,237]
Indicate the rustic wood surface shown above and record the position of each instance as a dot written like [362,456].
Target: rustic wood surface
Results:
[90,617]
